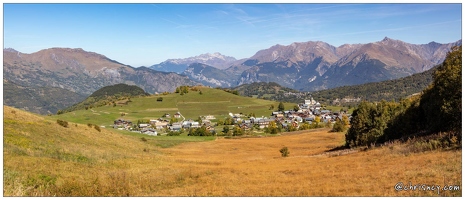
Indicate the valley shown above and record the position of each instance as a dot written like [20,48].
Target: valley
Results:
[303,66]
[251,147]
[232,100]
[44,159]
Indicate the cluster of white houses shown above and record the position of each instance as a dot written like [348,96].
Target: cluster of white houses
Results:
[155,125]
[308,111]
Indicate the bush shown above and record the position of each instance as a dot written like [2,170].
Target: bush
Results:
[339,126]
[143,139]
[62,123]
[284,152]
[202,131]
[174,133]
[97,128]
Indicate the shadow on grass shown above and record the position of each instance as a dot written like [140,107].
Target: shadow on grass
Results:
[342,147]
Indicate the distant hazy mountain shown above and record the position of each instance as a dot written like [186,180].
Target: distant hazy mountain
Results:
[215,60]
[209,76]
[81,72]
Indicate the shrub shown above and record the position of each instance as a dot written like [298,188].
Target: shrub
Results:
[284,152]
[339,126]
[97,128]
[62,123]
[174,133]
[143,140]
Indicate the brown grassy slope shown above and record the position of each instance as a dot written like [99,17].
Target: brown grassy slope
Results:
[38,153]
[42,158]
[254,167]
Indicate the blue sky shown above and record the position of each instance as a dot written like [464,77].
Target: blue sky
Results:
[147,34]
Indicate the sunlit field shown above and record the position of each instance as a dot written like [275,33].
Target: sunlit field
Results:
[191,105]
[42,158]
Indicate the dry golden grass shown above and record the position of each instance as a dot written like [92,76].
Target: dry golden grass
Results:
[92,163]
[254,167]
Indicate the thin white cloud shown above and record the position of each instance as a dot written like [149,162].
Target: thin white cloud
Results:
[386,30]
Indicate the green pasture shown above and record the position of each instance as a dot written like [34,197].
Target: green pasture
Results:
[191,105]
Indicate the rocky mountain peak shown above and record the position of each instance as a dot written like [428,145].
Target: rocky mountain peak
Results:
[10,50]
[385,39]
[391,42]
[216,60]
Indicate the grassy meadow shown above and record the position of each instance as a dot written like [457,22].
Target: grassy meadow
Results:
[191,106]
[43,158]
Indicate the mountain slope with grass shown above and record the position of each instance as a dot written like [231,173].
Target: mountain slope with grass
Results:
[199,101]
[42,158]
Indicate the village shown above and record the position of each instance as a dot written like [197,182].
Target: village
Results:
[308,112]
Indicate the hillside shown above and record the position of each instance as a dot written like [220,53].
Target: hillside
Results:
[77,71]
[42,158]
[108,95]
[119,89]
[385,90]
[435,114]
[346,95]
[261,89]
[191,105]
[42,100]
[81,72]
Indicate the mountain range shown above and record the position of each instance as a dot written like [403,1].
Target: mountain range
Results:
[316,65]
[304,66]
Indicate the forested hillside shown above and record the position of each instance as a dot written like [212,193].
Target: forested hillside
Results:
[262,89]
[108,95]
[436,113]
[390,90]
[42,100]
